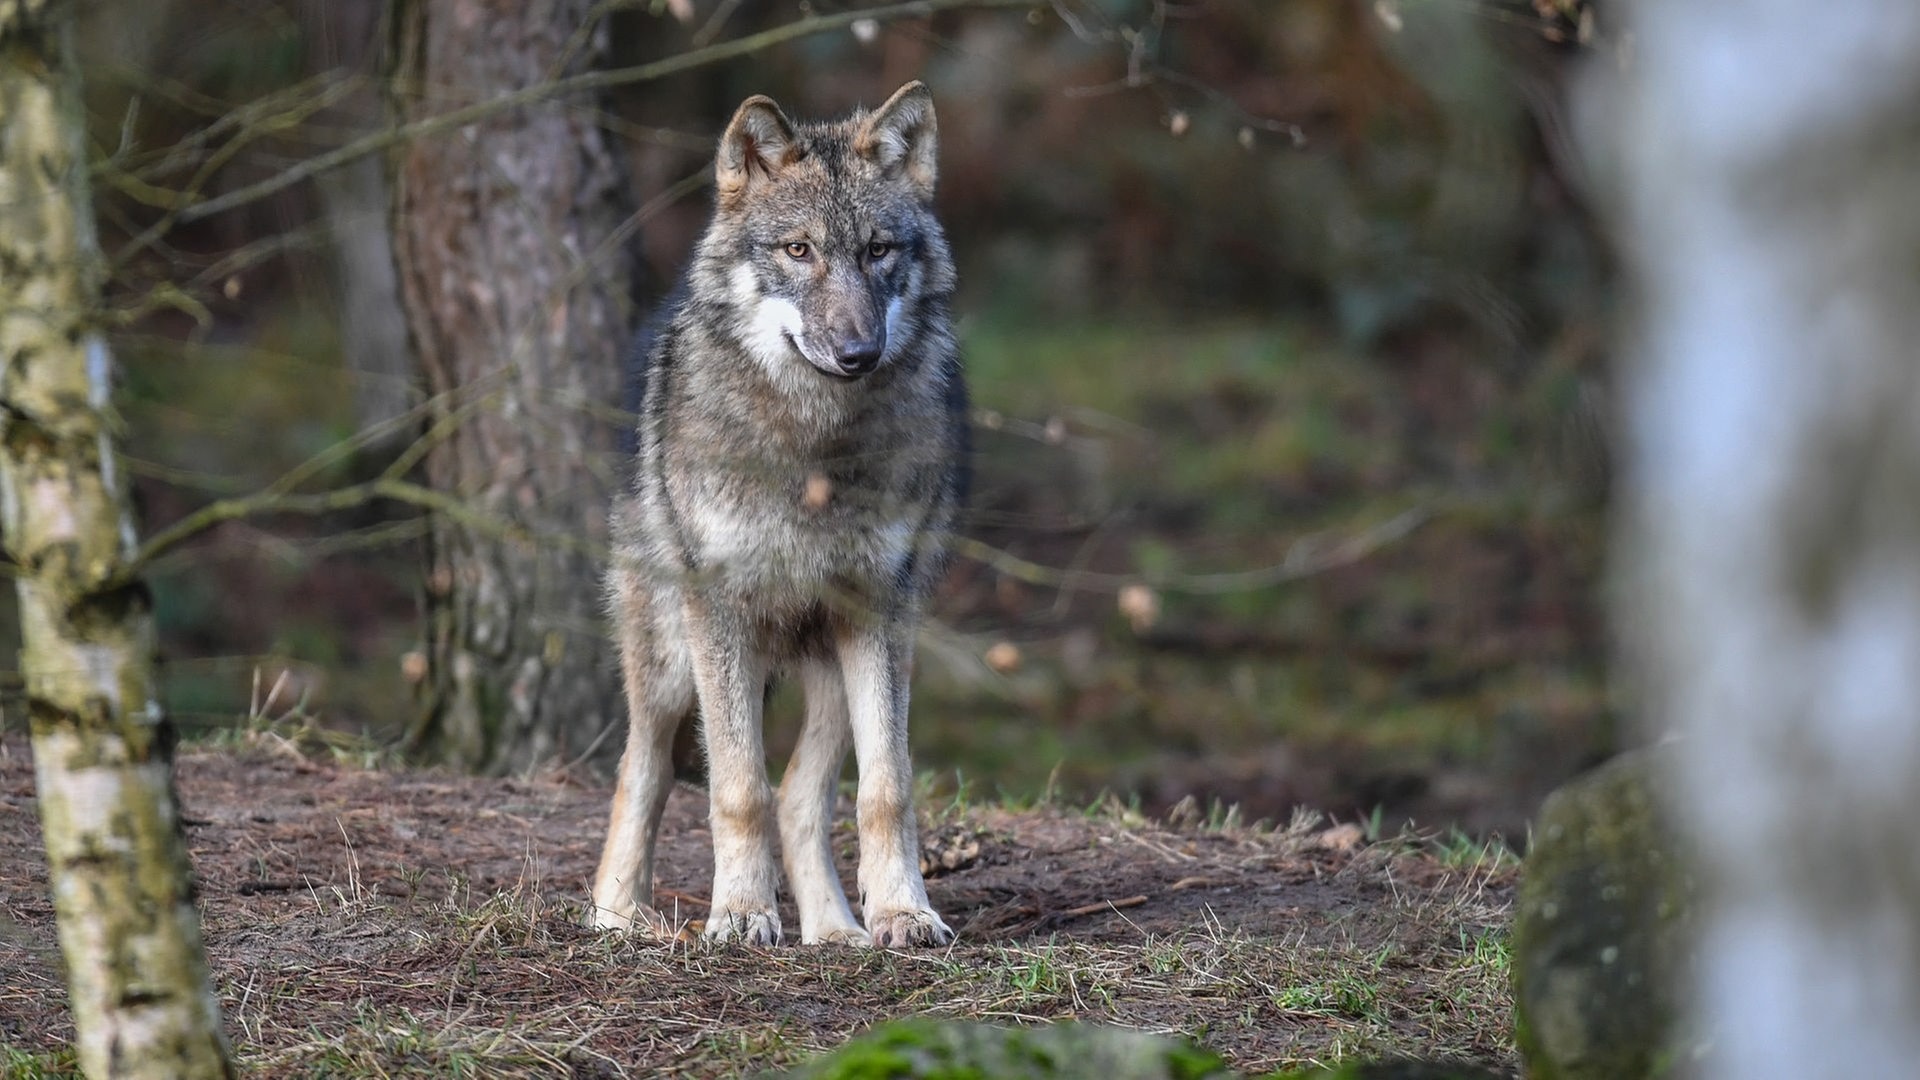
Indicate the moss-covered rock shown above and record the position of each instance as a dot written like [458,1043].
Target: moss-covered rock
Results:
[1603,923]
[1393,1070]
[929,1050]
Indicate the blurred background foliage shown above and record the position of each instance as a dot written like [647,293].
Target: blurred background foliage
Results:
[1317,268]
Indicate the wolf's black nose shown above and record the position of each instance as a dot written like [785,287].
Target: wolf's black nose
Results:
[857,356]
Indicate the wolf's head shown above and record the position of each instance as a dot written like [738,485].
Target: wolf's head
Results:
[825,236]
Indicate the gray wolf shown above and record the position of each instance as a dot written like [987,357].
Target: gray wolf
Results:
[800,453]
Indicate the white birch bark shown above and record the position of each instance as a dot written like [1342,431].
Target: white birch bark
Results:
[137,973]
[1771,167]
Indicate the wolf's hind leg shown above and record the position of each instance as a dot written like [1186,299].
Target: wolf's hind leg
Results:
[731,678]
[659,699]
[623,887]
[806,810]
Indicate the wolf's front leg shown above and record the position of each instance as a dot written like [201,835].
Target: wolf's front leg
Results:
[875,660]
[659,698]
[806,810]
[730,676]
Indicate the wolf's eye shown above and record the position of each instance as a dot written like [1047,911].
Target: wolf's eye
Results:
[878,250]
[799,249]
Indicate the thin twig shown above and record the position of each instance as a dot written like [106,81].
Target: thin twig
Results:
[1104,905]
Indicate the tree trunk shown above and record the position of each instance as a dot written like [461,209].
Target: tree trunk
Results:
[516,291]
[143,1004]
[1772,160]
[358,203]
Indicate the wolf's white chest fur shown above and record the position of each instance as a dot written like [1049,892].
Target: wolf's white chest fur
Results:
[795,551]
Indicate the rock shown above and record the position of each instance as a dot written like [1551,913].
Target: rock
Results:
[1395,1070]
[1341,838]
[924,1048]
[908,1049]
[1602,929]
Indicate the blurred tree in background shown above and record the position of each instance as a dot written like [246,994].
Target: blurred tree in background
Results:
[356,200]
[512,237]
[1772,533]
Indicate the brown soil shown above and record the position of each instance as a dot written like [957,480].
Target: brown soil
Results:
[410,923]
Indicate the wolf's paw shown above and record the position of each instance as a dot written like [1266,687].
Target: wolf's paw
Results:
[638,918]
[840,935]
[903,929]
[751,926]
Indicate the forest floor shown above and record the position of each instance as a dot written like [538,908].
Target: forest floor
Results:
[370,923]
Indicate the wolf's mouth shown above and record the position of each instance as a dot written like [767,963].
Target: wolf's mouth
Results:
[837,376]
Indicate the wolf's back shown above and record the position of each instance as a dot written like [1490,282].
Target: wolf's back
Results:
[640,360]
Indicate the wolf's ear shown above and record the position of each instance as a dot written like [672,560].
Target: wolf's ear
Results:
[759,143]
[902,139]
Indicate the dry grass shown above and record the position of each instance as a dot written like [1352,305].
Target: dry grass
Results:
[398,943]
[511,986]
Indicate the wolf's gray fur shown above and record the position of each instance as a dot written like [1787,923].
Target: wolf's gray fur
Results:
[801,452]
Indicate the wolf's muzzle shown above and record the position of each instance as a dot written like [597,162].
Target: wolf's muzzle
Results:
[857,356]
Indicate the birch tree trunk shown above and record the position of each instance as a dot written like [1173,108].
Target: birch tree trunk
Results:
[142,1002]
[516,289]
[1772,153]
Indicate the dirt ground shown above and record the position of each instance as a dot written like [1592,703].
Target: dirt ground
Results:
[375,923]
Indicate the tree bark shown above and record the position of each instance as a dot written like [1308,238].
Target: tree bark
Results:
[1771,156]
[517,295]
[143,1004]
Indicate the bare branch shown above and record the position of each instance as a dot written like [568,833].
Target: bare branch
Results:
[594,80]
[270,501]
[1304,559]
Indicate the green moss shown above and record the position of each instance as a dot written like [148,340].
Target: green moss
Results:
[1601,923]
[1192,1063]
[1390,1070]
[920,1049]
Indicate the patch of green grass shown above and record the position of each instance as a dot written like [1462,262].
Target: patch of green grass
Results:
[1370,828]
[278,718]
[1033,974]
[1459,850]
[1352,991]
[1348,994]
[16,1064]
[1490,949]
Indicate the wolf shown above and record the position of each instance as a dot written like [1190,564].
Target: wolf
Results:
[800,453]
